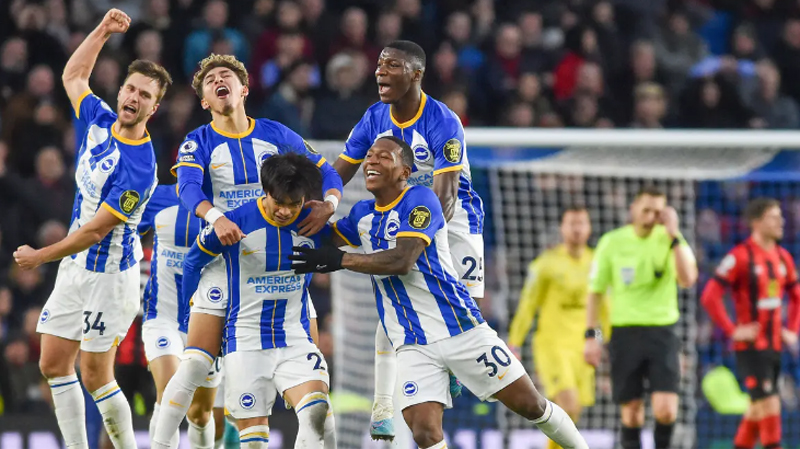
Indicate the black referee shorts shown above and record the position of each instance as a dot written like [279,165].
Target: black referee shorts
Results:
[759,370]
[640,353]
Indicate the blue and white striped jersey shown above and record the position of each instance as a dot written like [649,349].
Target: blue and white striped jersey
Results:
[227,166]
[117,174]
[175,230]
[268,305]
[437,137]
[429,303]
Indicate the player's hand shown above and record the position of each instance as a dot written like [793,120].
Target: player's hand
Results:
[227,231]
[790,340]
[115,21]
[746,332]
[321,212]
[320,260]
[592,352]
[669,218]
[28,258]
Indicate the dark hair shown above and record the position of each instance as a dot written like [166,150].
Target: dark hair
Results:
[650,190]
[153,71]
[405,150]
[757,207]
[573,208]
[415,52]
[291,177]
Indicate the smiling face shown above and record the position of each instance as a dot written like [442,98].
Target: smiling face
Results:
[384,167]
[395,75]
[137,99]
[223,92]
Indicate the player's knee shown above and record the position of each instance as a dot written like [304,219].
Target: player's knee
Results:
[427,434]
[199,414]
[52,368]
[665,415]
[196,364]
[533,408]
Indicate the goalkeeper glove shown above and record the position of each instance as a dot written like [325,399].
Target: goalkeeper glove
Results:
[320,260]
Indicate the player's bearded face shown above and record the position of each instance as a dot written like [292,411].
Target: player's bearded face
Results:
[136,100]
[283,211]
[383,166]
[223,92]
[647,211]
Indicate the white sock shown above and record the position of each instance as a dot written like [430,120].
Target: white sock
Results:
[330,428]
[116,413]
[440,445]
[254,437]
[385,368]
[312,411]
[558,426]
[173,443]
[201,437]
[70,410]
[179,392]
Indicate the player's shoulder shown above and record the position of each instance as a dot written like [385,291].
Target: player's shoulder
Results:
[419,196]
[105,115]
[361,209]
[164,196]
[617,233]
[441,112]
[271,129]
[785,254]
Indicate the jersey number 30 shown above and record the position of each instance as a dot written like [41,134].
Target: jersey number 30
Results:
[499,355]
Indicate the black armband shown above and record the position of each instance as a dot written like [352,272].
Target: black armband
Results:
[593,333]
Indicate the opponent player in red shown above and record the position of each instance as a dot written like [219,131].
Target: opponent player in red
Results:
[759,273]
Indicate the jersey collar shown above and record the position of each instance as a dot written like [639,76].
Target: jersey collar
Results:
[131,142]
[270,220]
[236,136]
[391,205]
[422,101]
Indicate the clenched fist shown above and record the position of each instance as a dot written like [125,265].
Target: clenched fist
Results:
[115,21]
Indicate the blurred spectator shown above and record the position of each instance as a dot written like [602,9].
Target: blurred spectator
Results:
[13,66]
[590,82]
[506,63]
[608,39]
[714,103]
[776,110]
[57,25]
[289,18]
[484,19]
[678,48]
[319,24]
[459,32]
[182,115]
[415,27]
[106,76]
[642,68]
[198,43]
[442,72]
[650,106]
[456,100]
[353,35]
[787,57]
[342,104]
[519,115]
[254,24]
[581,44]
[292,104]
[388,28]
[43,48]
[290,51]
[529,90]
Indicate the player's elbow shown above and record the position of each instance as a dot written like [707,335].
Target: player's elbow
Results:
[688,278]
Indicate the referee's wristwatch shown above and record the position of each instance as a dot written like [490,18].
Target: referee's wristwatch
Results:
[595,334]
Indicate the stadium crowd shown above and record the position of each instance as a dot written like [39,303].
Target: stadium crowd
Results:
[520,63]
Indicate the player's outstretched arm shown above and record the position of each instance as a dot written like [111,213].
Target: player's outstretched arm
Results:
[79,67]
[82,239]
[397,261]
[530,299]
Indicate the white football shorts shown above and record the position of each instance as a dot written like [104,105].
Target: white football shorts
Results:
[161,337]
[96,309]
[467,252]
[253,378]
[478,358]
[211,296]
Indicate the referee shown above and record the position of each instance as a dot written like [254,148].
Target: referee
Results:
[642,264]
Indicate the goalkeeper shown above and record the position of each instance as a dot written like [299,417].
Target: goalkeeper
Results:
[556,288]
[642,263]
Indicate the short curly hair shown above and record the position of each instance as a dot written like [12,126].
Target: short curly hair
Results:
[212,62]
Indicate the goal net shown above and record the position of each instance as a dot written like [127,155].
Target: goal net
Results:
[526,177]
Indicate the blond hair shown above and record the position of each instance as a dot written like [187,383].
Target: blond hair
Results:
[212,62]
